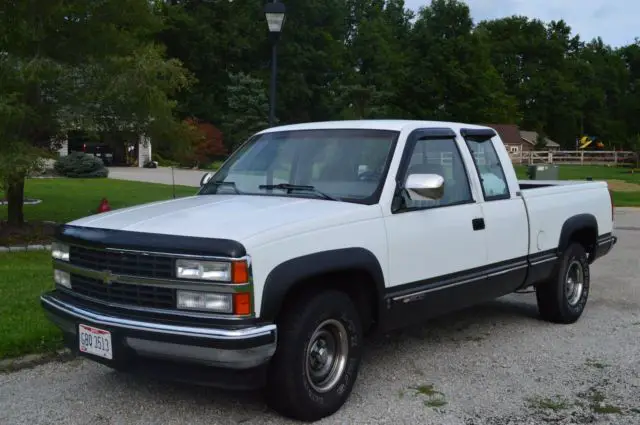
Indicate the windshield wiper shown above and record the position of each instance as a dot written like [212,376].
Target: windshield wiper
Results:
[291,187]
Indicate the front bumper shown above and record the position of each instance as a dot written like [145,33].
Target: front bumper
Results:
[232,348]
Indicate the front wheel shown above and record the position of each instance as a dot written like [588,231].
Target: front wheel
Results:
[563,297]
[318,356]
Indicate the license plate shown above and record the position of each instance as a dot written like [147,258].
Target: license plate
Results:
[95,341]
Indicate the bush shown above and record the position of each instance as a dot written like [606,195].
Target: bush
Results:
[162,162]
[80,165]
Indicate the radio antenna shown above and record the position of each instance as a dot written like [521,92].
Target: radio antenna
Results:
[173,183]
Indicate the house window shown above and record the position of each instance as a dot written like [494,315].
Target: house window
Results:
[513,149]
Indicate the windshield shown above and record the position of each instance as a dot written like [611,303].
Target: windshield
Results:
[347,165]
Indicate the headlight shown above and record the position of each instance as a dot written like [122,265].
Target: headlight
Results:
[60,251]
[203,270]
[62,278]
[207,301]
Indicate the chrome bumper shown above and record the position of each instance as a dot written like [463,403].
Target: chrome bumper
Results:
[242,348]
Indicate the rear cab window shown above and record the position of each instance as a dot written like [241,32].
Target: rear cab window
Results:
[490,172]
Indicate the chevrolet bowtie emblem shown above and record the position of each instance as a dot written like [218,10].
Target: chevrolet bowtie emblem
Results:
[108,277]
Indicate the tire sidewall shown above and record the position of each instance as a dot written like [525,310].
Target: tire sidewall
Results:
[344,312]
[575,253]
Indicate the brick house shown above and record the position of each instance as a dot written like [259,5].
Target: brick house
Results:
[510,135]
[531,137]
[516,140]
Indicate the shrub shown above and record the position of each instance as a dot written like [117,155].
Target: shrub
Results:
[82,165]
[162,162]
[207,144]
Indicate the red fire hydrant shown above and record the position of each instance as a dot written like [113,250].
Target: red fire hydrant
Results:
[104,206]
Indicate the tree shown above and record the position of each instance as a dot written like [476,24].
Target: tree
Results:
[248,109]
[541,140]
[537,64]
[634,146]
[208,145]
[79,65]
[450,75]
[376,38]
[214,39]
[604,80]
[364,102]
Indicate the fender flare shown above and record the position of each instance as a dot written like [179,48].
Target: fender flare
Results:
[576,223]
[284,277]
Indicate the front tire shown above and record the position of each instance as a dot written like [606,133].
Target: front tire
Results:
[316,363]
[563,297]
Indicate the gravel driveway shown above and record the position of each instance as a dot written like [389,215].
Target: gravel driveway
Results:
[494,364]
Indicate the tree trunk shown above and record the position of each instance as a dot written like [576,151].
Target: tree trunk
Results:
[15,198]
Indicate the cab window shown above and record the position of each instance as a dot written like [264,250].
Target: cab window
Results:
[439,156]
[492,178]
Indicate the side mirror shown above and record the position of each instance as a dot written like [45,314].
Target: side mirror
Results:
[425,187]
[205,178]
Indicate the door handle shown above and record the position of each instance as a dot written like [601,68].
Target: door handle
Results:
[478,223]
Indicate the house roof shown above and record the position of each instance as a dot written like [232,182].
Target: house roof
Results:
[509,133]
[532,137]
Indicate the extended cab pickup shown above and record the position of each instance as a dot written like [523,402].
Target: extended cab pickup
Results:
[311,236]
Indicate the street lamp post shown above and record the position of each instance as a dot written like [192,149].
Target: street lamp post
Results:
[275,13]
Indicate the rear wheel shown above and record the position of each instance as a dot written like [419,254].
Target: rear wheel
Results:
[318,356]
[562,298]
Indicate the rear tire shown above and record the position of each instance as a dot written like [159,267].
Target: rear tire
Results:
[562,299]
[316,363]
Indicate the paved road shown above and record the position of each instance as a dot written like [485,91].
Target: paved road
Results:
[496,365]
[157,175]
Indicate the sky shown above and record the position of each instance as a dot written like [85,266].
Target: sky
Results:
[613,20]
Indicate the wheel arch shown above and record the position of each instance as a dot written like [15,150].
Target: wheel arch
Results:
[581,228]
[355,271]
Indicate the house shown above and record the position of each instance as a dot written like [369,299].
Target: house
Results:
[510,135]
[531,137]
[516,140]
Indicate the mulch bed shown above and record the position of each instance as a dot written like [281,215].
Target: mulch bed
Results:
[36,232]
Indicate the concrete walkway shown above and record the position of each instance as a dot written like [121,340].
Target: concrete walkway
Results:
[157,175]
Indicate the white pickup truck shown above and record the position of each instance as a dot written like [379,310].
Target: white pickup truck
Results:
[312,236]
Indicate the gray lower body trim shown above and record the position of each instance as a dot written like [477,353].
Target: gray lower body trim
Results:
[245,358]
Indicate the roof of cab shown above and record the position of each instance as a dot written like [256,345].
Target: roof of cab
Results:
[394,125]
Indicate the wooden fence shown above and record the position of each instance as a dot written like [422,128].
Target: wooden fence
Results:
[575,157]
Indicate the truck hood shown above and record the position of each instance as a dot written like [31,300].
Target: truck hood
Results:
[236,217]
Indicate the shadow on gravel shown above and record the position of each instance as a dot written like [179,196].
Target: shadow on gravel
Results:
[241,406]
[511,310]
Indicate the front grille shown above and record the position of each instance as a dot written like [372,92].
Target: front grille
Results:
[125,263]
[137,295]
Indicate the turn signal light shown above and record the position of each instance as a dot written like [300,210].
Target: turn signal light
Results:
[242,304]
[240,272]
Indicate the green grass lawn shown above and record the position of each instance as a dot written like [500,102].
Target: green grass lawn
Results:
[23,276]
[64,200]
[23,326]
[581,172]
[624,195]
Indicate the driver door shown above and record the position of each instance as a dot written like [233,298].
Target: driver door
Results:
[435,246]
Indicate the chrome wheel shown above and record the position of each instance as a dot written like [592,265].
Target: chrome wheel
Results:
[326,355]
[574,283]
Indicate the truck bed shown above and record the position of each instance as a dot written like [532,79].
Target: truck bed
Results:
[550,203]
[537,184]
